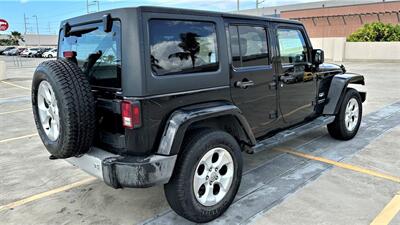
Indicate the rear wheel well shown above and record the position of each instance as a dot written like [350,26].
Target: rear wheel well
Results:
[227,123]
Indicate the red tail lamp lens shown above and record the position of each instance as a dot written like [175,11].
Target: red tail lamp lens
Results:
[131,117]
[69,54]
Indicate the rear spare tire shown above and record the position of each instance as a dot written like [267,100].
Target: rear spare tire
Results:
[63,108]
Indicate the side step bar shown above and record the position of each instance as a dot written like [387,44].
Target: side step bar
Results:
[291,133]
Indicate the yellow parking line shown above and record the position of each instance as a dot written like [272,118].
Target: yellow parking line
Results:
[389,212]
[15,111]
[15,85]
[46,194]
[342,165]
[17,138]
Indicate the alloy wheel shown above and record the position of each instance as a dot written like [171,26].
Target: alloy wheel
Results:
[213,176]
[351,116]
[48,110]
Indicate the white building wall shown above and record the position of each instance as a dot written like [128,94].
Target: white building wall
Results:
[337,49]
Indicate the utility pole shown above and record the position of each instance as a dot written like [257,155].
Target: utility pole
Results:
[25,22]
[238,5]
[37,28]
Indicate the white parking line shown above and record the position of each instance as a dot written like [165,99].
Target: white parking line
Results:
[15,85]
[15,111]
[17,138]
[8,98]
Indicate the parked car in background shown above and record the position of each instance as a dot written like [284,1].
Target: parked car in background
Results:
[15,51]
[20,50]
[29,52]
[39,53]
[4,51]
[12,52]
[50,54]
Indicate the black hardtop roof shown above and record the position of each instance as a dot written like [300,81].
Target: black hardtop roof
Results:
[212,13]
[155,9]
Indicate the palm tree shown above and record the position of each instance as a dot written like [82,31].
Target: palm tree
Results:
[190,46]
[15,37]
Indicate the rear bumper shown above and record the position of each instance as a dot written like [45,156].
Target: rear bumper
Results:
[126,171]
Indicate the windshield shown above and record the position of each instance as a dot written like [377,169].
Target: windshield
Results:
[98,54]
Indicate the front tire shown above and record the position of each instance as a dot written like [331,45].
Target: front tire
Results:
[206,177]
[348,120]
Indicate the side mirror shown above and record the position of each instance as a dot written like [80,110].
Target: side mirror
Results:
[318,56]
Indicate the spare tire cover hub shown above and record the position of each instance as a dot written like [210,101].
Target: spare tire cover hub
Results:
[48,110]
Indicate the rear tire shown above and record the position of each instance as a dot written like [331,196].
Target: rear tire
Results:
[63,108]
[348,120]
[206,177]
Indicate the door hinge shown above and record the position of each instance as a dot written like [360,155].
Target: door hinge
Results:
[273,114]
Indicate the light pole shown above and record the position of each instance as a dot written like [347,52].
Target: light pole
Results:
[91,3]
[98,5]
[238,5]
[258,2]
[37,28]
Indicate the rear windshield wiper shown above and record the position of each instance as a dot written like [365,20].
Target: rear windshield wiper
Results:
[91,61]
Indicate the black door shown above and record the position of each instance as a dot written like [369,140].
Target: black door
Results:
[297,84]
[252,78]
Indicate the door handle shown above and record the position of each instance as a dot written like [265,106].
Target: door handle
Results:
[244,83]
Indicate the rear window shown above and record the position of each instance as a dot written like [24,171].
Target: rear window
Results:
[182,46]
[98,54]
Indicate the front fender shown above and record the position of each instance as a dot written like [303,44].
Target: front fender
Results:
[182,118]
[337,91]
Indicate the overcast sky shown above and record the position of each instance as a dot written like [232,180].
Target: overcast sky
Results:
[50,13]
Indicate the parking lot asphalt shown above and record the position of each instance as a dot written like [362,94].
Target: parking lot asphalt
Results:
[313,179]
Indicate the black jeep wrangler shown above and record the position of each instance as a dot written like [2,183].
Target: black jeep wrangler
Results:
[147,96]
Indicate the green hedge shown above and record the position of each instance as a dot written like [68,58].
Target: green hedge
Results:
[376,32]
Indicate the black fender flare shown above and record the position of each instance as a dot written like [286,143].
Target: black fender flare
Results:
[337,91]
[182,118]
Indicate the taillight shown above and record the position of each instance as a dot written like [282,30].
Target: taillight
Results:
[130,112]
[69,54]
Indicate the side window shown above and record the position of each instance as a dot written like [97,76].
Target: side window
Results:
[292,46]
[182,46]
[254,47]
[252,42]
[235,47]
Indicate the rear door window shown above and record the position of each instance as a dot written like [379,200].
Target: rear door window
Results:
[98,54]
[249,46]
[182,46]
